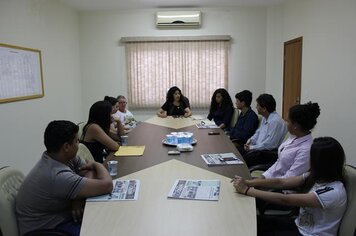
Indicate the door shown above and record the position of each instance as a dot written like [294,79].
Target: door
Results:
[292,73]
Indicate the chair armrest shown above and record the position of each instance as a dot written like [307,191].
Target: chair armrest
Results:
[262,167]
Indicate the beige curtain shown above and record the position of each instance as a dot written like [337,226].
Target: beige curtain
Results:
[198,68]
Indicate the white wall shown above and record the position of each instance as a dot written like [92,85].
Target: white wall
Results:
[329,61]
[103,59]
[52,28]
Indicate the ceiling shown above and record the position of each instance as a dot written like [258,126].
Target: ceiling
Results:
[99,5]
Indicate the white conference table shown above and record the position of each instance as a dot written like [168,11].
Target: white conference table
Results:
[154,214]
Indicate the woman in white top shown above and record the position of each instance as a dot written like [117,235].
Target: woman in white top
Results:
[321,207]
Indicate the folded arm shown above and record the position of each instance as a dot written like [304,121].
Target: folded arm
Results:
[100,184]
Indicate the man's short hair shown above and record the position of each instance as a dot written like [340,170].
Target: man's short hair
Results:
[59,132]
[121,96]
[267,101]
[244,96]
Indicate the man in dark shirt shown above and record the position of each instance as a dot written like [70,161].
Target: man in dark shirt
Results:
[247,122]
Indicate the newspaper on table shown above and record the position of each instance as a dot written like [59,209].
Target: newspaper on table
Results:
[195,189]
[221,159]
[207,124]
[123,190]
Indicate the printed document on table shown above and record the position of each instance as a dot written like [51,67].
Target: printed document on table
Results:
[123,190]
[221,159]
[195,189]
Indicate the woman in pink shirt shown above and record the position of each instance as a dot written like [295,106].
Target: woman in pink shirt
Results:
[294,153]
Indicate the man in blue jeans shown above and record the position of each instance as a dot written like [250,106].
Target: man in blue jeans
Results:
[53,194]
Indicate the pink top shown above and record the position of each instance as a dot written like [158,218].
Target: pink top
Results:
[293,158]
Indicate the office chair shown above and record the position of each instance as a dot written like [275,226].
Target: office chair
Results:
[10,182]
[84,153]
[234,117]
[81,126]
[348,222]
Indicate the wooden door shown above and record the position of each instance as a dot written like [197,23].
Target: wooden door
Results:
[292,73]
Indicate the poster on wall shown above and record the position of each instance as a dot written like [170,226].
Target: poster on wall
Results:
[20,73]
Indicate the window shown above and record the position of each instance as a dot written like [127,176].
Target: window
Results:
[197,67]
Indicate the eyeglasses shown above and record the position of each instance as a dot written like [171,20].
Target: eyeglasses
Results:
[122,102]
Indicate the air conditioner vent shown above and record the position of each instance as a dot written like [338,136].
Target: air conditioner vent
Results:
[178,19]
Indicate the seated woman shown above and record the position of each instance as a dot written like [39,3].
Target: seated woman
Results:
[116,127]
[221,108]
[321,206]
[176,104]
[95,135]
[294,153]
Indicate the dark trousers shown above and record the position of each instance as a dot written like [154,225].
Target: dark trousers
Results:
[70,227]
[240,146]
[253,158]
[276,226]
[263,206]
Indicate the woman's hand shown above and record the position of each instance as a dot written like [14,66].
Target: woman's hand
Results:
[187,112]
[162,113]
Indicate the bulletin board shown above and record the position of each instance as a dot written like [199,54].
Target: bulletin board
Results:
[20,73]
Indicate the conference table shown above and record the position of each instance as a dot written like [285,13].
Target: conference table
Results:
[155,214]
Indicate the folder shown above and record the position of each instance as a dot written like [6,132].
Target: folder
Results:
[130,151]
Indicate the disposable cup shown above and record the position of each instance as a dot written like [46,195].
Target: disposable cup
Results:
[124,140]
[112,167]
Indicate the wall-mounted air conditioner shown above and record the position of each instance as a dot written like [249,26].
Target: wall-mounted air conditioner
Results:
[178,19]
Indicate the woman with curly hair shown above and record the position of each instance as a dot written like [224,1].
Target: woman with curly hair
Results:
[221,108]
[176,104]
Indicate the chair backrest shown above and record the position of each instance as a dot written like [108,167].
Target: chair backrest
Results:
[10,182]
[348,222]
[80,131]
[234,117]
[84,153]
[259,120]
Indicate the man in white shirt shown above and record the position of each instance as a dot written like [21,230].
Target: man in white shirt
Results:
[124,115]
[268,136]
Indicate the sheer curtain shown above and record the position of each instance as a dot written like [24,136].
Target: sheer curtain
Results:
[198,68]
